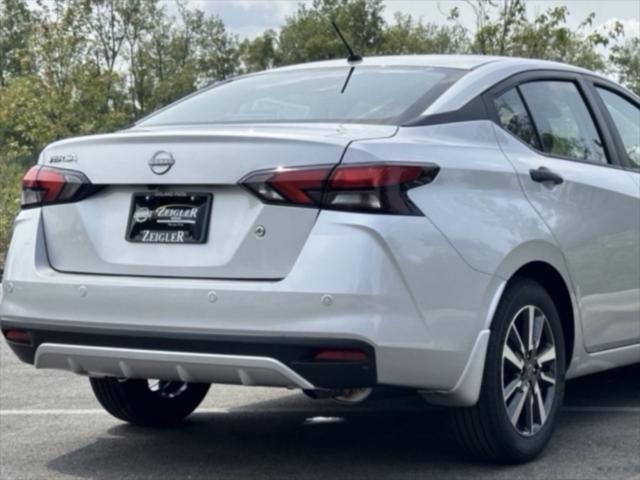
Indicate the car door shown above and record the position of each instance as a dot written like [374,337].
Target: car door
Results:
[622,113]
[554,134]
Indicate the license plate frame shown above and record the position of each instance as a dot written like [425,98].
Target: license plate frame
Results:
[169,218]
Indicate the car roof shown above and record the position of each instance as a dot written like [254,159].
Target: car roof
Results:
[462,62]
[483,71]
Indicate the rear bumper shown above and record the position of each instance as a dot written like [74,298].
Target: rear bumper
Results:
[196,358]
[393,285]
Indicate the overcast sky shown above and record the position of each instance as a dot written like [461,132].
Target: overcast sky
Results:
[249,18]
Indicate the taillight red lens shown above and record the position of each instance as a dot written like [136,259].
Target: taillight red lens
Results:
[376,188]
[356,176]
[303,187]
[47,186]
[298,186]
[371,188]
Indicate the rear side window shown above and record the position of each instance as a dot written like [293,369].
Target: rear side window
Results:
[563,121]
[626,117]
[515,118]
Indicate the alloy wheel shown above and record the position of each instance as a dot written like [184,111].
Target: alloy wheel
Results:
[529,370]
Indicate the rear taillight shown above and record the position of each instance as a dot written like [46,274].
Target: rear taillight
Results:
[368,188]
[49,186]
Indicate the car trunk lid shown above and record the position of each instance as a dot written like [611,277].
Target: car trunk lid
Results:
[244,238]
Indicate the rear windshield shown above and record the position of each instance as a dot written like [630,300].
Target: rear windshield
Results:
[382,95]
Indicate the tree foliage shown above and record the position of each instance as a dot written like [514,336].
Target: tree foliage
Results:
[308,35]
[625,59]
[70,67]
[546,36]
[406,35]
[16,28]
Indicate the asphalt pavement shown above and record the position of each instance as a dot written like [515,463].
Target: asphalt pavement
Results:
[51,427]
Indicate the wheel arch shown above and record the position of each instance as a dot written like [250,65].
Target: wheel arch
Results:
[467,391]
[540,261]
[544,262]
[552,281]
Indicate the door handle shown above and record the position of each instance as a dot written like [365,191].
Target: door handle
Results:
[544,175]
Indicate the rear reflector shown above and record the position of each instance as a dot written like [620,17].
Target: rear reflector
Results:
[49,186]
[340,356]
[18,336]
[368,188]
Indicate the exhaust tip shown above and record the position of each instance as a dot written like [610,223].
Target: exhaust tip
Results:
[353,395]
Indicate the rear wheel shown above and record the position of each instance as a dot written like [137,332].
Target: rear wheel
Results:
[523,383]
[148,402]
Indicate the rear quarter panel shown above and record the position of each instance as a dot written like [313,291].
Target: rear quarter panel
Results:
[476,201]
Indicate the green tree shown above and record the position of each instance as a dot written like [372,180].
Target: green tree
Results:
[503,28]
[106,40]
[139,18]
[66,94]
[16,26]
[308,35]
[625,60]
[212,49]
[261,53]
[409,36]
[181,57]
[108,31]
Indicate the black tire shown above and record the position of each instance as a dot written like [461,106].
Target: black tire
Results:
[485,430]
[139,403]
